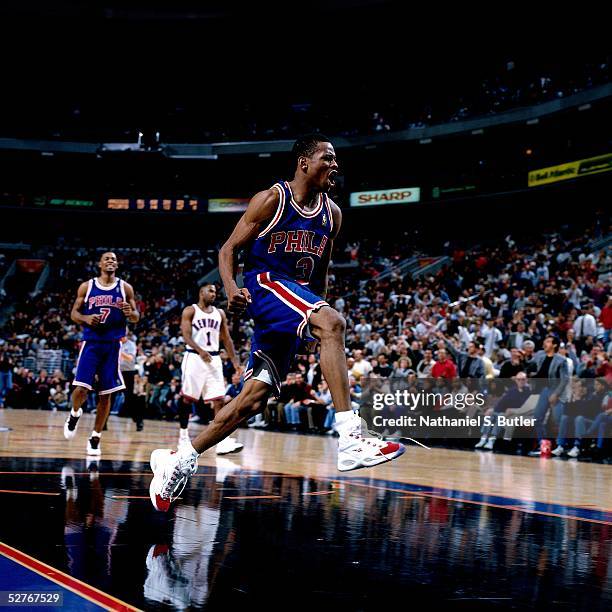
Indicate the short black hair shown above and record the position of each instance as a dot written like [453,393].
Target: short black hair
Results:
[306,145]
[555,340]
[206,285]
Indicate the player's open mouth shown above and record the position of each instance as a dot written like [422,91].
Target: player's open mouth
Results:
[331,177]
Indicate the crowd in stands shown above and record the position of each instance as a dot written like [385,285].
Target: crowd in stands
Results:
[488,314]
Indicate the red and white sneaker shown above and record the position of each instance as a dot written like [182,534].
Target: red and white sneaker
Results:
[171,471]
[355,451]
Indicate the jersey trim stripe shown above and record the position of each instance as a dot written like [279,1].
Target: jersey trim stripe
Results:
[279,210]
[331,217]
[300,211]
[89,288]
[103,288]
[291,299]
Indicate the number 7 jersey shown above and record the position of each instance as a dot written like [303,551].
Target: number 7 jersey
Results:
[292,245]
[105,301]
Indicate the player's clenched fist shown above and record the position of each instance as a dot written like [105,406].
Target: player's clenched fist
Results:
[92,320]
[126,308]
[239,300]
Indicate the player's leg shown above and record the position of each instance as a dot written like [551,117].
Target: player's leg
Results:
[229,444]
[102,411]
[172,469]
[87,364]
[214,392]
[192,386]
[354,451]
[111,380]
[250,401]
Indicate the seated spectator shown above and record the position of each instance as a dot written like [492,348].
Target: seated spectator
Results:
[591,414]
[58,398]
[512,403]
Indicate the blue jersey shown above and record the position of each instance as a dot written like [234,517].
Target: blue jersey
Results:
[106,302]
[294,242]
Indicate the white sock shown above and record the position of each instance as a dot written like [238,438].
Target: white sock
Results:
[78,413]
[346,422]
[187,450]
[492,438]
[96,434]
[184,433]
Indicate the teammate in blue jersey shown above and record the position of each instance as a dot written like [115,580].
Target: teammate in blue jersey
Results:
[288,233]
[103,307]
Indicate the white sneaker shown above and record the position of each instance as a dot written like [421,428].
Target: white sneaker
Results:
[558,451]
[490,444]
[238,446]
[93,446]
[171,471]
[481,442]
[355,451]
[224,447]
[574,452]
[71,424]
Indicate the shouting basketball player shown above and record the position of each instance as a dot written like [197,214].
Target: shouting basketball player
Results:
[202,325]
[103,306]
[288,231]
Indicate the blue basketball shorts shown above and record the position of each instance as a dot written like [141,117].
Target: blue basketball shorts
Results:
[280,309]
[101,359]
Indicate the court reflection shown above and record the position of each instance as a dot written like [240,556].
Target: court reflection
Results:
[244,538]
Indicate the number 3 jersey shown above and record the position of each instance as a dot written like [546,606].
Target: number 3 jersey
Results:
[105,301]
[292,245]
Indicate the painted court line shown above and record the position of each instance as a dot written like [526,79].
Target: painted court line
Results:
[27,492]
[108,602]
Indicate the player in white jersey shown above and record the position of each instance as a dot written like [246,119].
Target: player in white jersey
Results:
[203,326]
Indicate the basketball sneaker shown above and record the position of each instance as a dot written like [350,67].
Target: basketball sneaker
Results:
[71,423]
[93,446]
[228,445]
[356,451]
[171,471]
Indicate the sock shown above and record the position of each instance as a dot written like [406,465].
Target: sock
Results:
[491,437]
[96,434]
[187,450]
[77,413]
[183,433]
[346,422]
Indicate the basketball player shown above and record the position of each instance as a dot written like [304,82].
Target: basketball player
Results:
[202,325]
[288,232]
[103,306]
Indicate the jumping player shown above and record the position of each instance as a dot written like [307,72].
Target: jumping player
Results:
[103,306]
[202,325]
[288,232]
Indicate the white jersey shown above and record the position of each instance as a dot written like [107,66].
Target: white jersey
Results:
[205,328]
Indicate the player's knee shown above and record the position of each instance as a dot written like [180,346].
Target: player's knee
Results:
[330,324]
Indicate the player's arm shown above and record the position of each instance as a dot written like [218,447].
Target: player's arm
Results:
[261,208]
[325,259]
[228,343]
[186,323]
[129,307]
[76,315]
